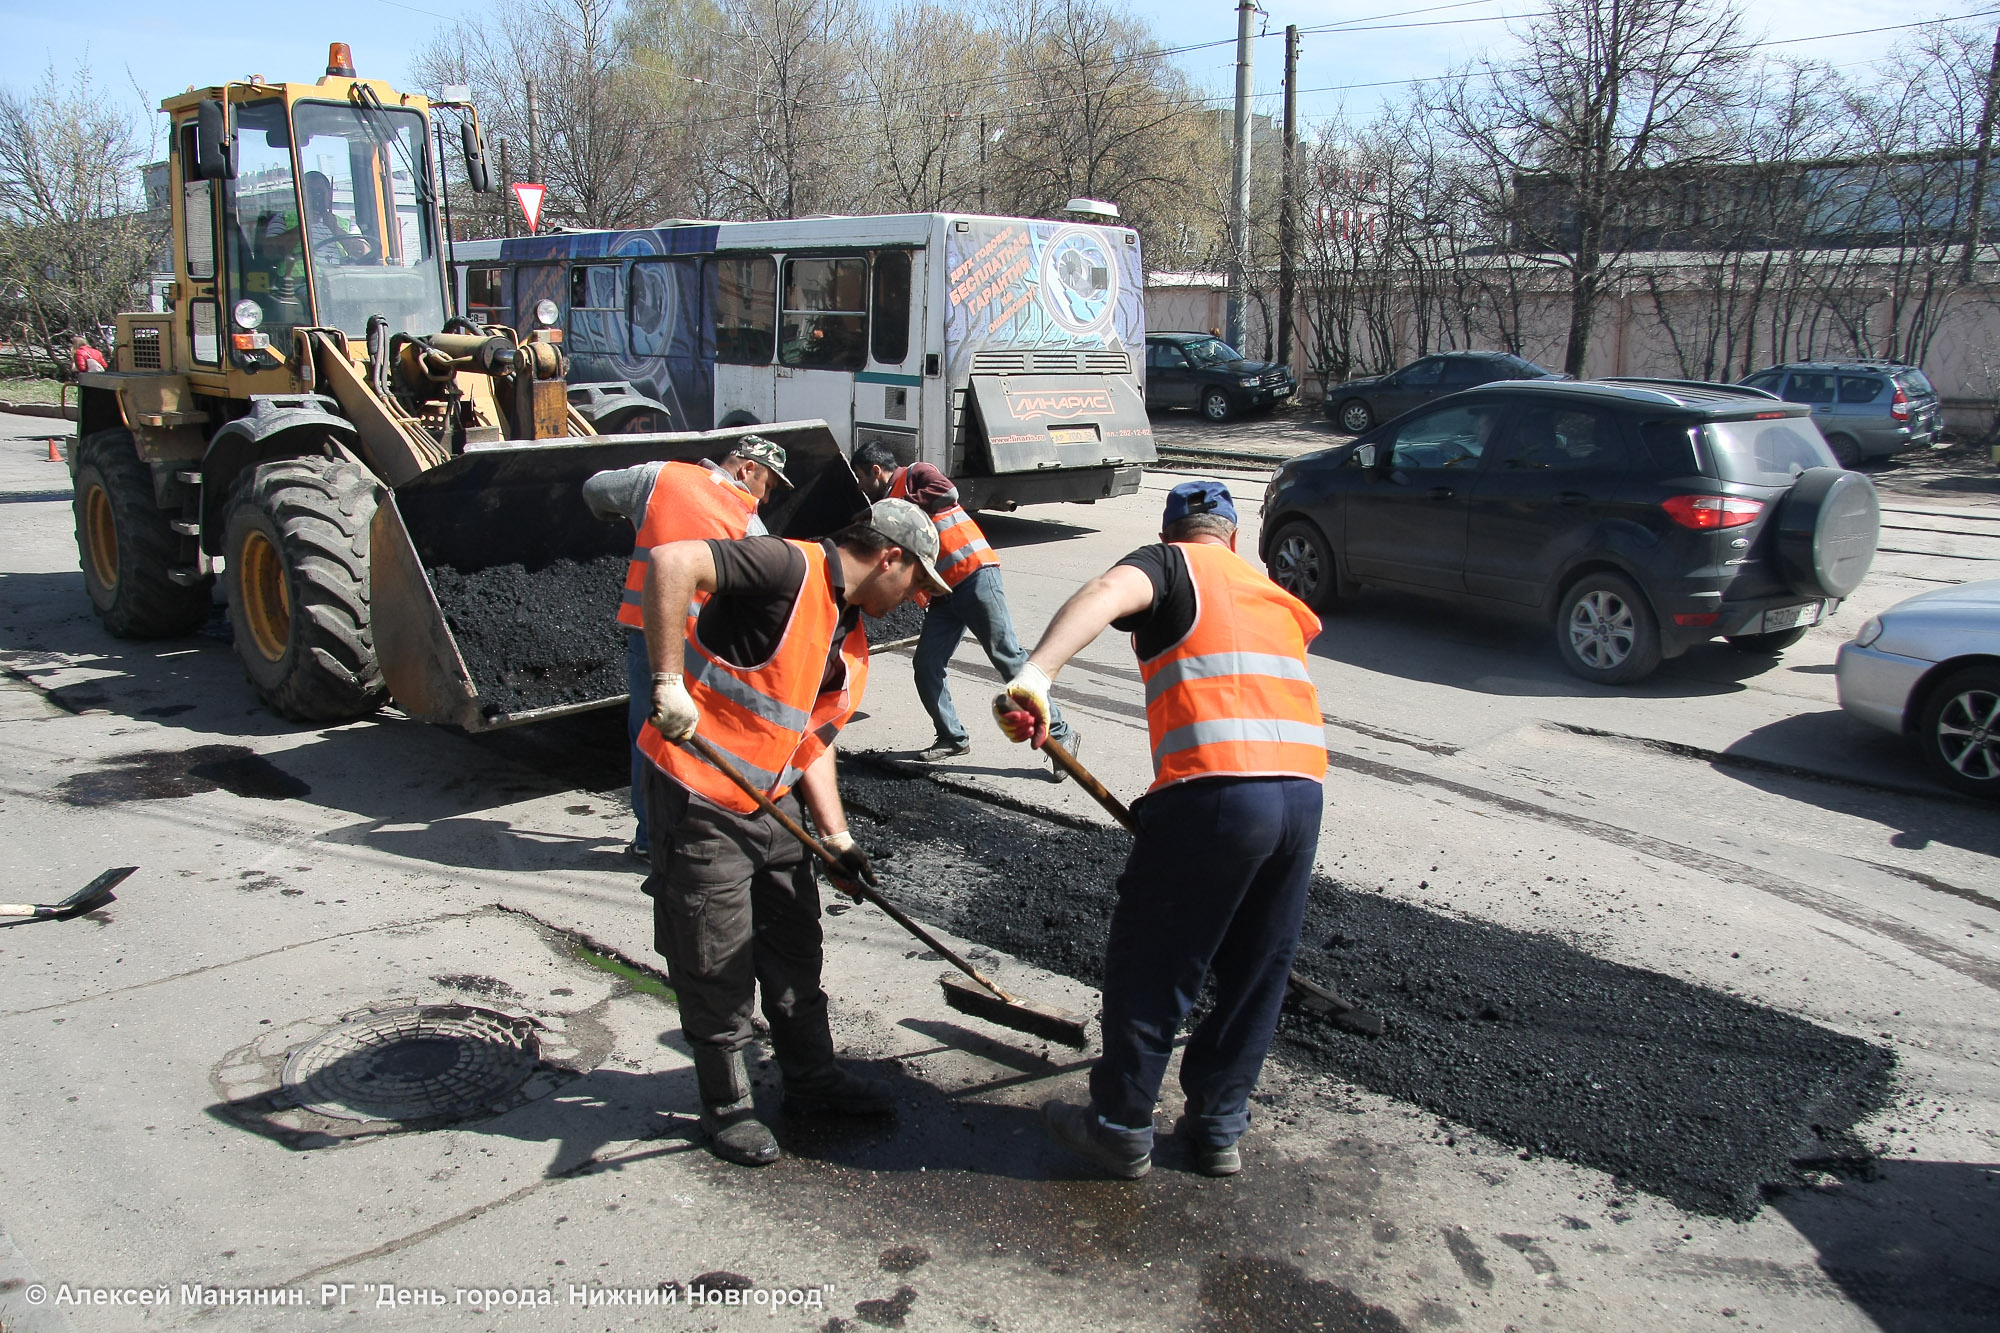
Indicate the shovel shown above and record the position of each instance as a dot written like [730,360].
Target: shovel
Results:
[1318,999]
[987,1000]
[82,900]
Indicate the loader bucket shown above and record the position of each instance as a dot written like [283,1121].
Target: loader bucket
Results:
[494,587]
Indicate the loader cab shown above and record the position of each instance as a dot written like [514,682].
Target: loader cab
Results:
[326,219]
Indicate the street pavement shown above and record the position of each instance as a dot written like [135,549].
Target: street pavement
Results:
[1722,822]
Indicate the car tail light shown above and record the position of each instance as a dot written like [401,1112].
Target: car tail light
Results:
[1703,512]
[1697,619]
[1899,407]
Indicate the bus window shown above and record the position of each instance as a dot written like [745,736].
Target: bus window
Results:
[597,309]
[890,330]
[486,294]
[664,302]
[746,309]
[825,324]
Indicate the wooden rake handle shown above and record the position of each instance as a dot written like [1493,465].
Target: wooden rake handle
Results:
[792,826]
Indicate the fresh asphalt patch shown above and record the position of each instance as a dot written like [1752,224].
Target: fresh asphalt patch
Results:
[1696,1096]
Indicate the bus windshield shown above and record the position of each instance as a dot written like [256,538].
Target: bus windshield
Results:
[366,246]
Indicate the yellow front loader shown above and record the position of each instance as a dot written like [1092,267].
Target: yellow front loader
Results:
[307,422]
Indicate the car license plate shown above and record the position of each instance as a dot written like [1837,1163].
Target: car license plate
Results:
[1787,617]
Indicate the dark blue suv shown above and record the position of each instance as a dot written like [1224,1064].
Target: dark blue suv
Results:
[1637,517]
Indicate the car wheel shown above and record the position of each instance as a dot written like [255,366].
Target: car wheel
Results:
[1606,631]
[1304,565]
[1775,642]
[1960,731]
[1215,405]
[1355,416]
[1846,450]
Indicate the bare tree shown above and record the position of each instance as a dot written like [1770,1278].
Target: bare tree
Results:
[783,146]
[928,75]
[593,134]
[75,239]
[1606,91]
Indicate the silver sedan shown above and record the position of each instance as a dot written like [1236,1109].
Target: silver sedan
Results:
[1929,668]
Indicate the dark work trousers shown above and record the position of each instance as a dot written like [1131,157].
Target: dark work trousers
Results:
[735,907]
[1216,883]
[638,707]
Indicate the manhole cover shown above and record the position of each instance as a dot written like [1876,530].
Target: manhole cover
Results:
[421,1062]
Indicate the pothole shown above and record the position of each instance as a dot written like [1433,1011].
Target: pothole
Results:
[401,1066]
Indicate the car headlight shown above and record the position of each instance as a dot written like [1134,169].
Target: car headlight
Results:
[1248,381]
[1871,630]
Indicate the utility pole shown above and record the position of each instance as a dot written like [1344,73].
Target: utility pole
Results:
[1239,222]
[1983,163]
[534,136]
[1287,206]
[506,188]
[982,162]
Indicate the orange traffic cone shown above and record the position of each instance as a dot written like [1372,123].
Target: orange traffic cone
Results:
[54,457]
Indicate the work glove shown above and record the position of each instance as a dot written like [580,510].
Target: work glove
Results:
[1023,709]
[851,863]
[674,714]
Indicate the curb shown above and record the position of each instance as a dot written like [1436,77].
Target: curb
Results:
[60,413]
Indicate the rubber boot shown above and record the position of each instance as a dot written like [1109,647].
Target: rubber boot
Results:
[728,1115]
[814,1083]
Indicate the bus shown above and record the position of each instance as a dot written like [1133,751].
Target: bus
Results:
[1008,352]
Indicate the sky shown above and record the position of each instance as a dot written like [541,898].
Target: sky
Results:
[132,47]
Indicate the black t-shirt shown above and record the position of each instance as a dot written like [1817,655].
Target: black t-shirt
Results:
[757,581]
[1167,621]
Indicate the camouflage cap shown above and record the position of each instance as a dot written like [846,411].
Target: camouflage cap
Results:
[760,450]
[910,528]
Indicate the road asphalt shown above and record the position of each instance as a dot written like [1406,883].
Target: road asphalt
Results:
[1722,825]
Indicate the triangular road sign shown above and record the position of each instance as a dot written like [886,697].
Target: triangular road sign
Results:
[530,197]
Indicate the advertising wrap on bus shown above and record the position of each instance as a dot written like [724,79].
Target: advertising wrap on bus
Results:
[1018,284]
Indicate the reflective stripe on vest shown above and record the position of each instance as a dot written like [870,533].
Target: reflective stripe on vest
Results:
[1233,698]
[771,720]
[688,502]
[962,547]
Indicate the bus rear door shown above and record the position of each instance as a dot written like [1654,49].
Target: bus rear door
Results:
[888,393]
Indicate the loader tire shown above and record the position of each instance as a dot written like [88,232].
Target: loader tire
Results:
[126,547]
[297,575]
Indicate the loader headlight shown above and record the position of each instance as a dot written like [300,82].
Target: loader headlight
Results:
[547,312]
[248,314]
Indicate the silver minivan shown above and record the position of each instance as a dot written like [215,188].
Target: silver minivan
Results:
[1866,409]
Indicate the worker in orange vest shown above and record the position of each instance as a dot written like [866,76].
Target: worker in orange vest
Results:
[978,602]
[1215,885]
[773,667]
[671,502]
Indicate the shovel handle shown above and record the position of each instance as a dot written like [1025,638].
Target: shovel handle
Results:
[1085,779]
[792,826]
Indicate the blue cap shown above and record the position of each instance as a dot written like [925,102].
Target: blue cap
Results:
[1198,497]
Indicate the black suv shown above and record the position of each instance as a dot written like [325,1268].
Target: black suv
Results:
[1202,371]
[1639,517]
[1357,404]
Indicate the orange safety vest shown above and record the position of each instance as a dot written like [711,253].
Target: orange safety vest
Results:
[1233,699]
[771,719]
[688,502]
[962,547]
